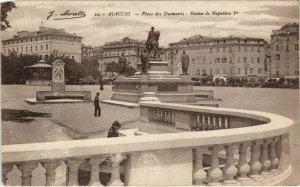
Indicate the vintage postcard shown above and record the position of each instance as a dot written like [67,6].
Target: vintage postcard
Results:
[150,93]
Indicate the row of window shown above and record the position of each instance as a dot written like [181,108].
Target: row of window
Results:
[27,48]
[281,38]
[231,71]
[230,49]
[277,47]
[62,38]
[225,60]
[218,42]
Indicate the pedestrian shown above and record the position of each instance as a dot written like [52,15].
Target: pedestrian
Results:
[97,106]
[113,130]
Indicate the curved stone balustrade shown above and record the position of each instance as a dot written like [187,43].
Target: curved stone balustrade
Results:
[250,155]
[197,118]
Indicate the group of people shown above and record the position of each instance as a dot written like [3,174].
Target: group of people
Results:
[113,130]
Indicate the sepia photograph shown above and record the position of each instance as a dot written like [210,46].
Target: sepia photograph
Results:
[150,93]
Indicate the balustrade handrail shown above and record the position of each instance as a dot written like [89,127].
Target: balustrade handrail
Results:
[276,125]
[255,115]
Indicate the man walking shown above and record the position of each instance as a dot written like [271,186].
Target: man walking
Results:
[97,106]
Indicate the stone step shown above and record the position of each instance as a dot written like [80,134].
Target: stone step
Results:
[120,103]
[33,101]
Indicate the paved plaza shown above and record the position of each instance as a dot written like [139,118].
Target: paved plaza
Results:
[23,123]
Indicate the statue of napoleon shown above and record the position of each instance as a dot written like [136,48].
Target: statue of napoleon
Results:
[152,43]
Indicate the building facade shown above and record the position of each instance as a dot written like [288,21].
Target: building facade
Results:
[130,47]
[231,56]
[44,42]
[285,50]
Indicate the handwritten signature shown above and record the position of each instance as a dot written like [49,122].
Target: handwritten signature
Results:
[65,15]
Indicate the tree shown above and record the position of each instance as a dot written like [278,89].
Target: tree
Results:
[90,67]
[5,8]
[13,67]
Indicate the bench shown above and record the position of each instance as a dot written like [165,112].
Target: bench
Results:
[64,96]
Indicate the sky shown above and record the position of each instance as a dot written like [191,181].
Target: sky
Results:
[254,19]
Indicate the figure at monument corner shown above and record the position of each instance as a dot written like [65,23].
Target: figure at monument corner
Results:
[144,61]
[185,63]
[152,43]
[122,63]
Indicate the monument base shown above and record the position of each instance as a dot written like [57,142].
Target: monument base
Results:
[167,87]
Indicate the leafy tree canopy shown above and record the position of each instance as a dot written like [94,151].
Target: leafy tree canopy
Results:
[6,7]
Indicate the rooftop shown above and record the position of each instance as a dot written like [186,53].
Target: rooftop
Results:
[125,40]
[43,31]
[200,38]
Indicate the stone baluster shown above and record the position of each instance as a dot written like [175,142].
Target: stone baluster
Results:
[226,122]
[205,124]
[199,173]
[255,165]
[72,171]
[220,122]
[156,116]
[214,172]
[165,122]
[167,119]
[230,171]
[6,168]
[223,122]
[95,161]
[161,117]
[266,163]
[273,157]
[209,122]
[243,166]
[214,125]
[200,122]
[217,126]
[50,167]
[26,169]
[173,118]
[115,170]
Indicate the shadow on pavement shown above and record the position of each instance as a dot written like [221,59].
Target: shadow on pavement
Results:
[21,116]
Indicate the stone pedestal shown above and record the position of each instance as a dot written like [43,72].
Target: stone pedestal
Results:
[167,87]
[58,86]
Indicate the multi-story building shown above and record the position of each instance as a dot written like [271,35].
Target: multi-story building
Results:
[130,47]
[285,50]
[231,56]
[86,51]
[44,42]
[94,53]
